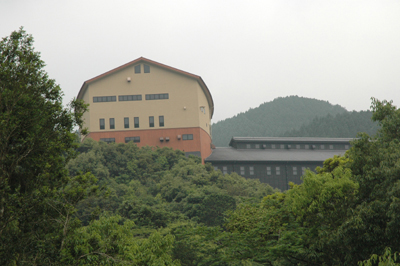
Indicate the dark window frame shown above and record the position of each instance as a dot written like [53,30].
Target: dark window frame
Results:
[126,122]
[151,121]
[136,122]
[104,99]
[187,137]
[112,123]
[124,98]
[134,139]
[146,68]
[161,120]
[102,122]
[138,69]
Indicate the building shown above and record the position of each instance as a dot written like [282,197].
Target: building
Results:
[150,104]
[276,161]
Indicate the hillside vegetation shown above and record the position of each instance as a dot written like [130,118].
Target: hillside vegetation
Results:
[272,119]
[294,116]
[344,125]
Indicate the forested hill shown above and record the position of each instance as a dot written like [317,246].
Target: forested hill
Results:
[272,119]
[344,125]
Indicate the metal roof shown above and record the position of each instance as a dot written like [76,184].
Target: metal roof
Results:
[272,155]
[288,140]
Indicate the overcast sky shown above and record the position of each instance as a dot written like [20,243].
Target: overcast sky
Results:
[247,52]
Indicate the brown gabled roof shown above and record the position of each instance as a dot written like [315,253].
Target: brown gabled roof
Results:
[142,59]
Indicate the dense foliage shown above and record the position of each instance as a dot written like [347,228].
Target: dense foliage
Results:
[343,125]
[63,203]
[272,119]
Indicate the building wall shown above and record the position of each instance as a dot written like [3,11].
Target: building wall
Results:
[181,110]
[185,112]
[259,170]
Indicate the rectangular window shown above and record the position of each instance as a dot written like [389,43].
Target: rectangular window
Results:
[307,146]
[241,170]
[282,146]
[248,146]
[224,169]
[273,146]
[294,170]
[251,170]
[216,168]
[136,122]
[126,122]
[322,147]
[257,146]
[346,147]
[161,96]
[134,139]
[161,120]
[137,69]
[108,140]
[151,121]
[331,147]
[101,99]
[297,146]
[123,98]
[187,136]
[112,123]
[303,170]
[146,68]
[102,123]
[268,170]
[278,170]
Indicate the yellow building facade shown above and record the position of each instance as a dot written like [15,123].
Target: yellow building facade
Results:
[151,104]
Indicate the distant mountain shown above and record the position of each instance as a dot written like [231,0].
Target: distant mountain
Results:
[272,119]
[344,125]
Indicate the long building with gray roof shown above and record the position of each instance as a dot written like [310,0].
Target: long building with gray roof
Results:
[276,161]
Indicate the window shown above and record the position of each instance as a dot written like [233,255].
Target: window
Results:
[101,99]
[242,170]
[112,123]
[146,68]
[257,146]
[136,122]
[251,170]
[278,170]
[126,122]
[307,146]
[187,136]
[161,96]
[248,146]
[134,139]
[224,169]
[346,147]
[137,69]
[273,146]
[102,123]
[298,146]
[331,147]
[161,120]
[294,170]
[268,170]
[122,98]
[151,121]
[108,140]
[303,170]
[322,147]
[216,168]
[282,146]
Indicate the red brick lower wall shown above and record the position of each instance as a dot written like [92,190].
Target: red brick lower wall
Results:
[201,140]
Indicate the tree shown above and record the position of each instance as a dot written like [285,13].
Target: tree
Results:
[36,141]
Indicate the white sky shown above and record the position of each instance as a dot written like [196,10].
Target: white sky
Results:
[247,52]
